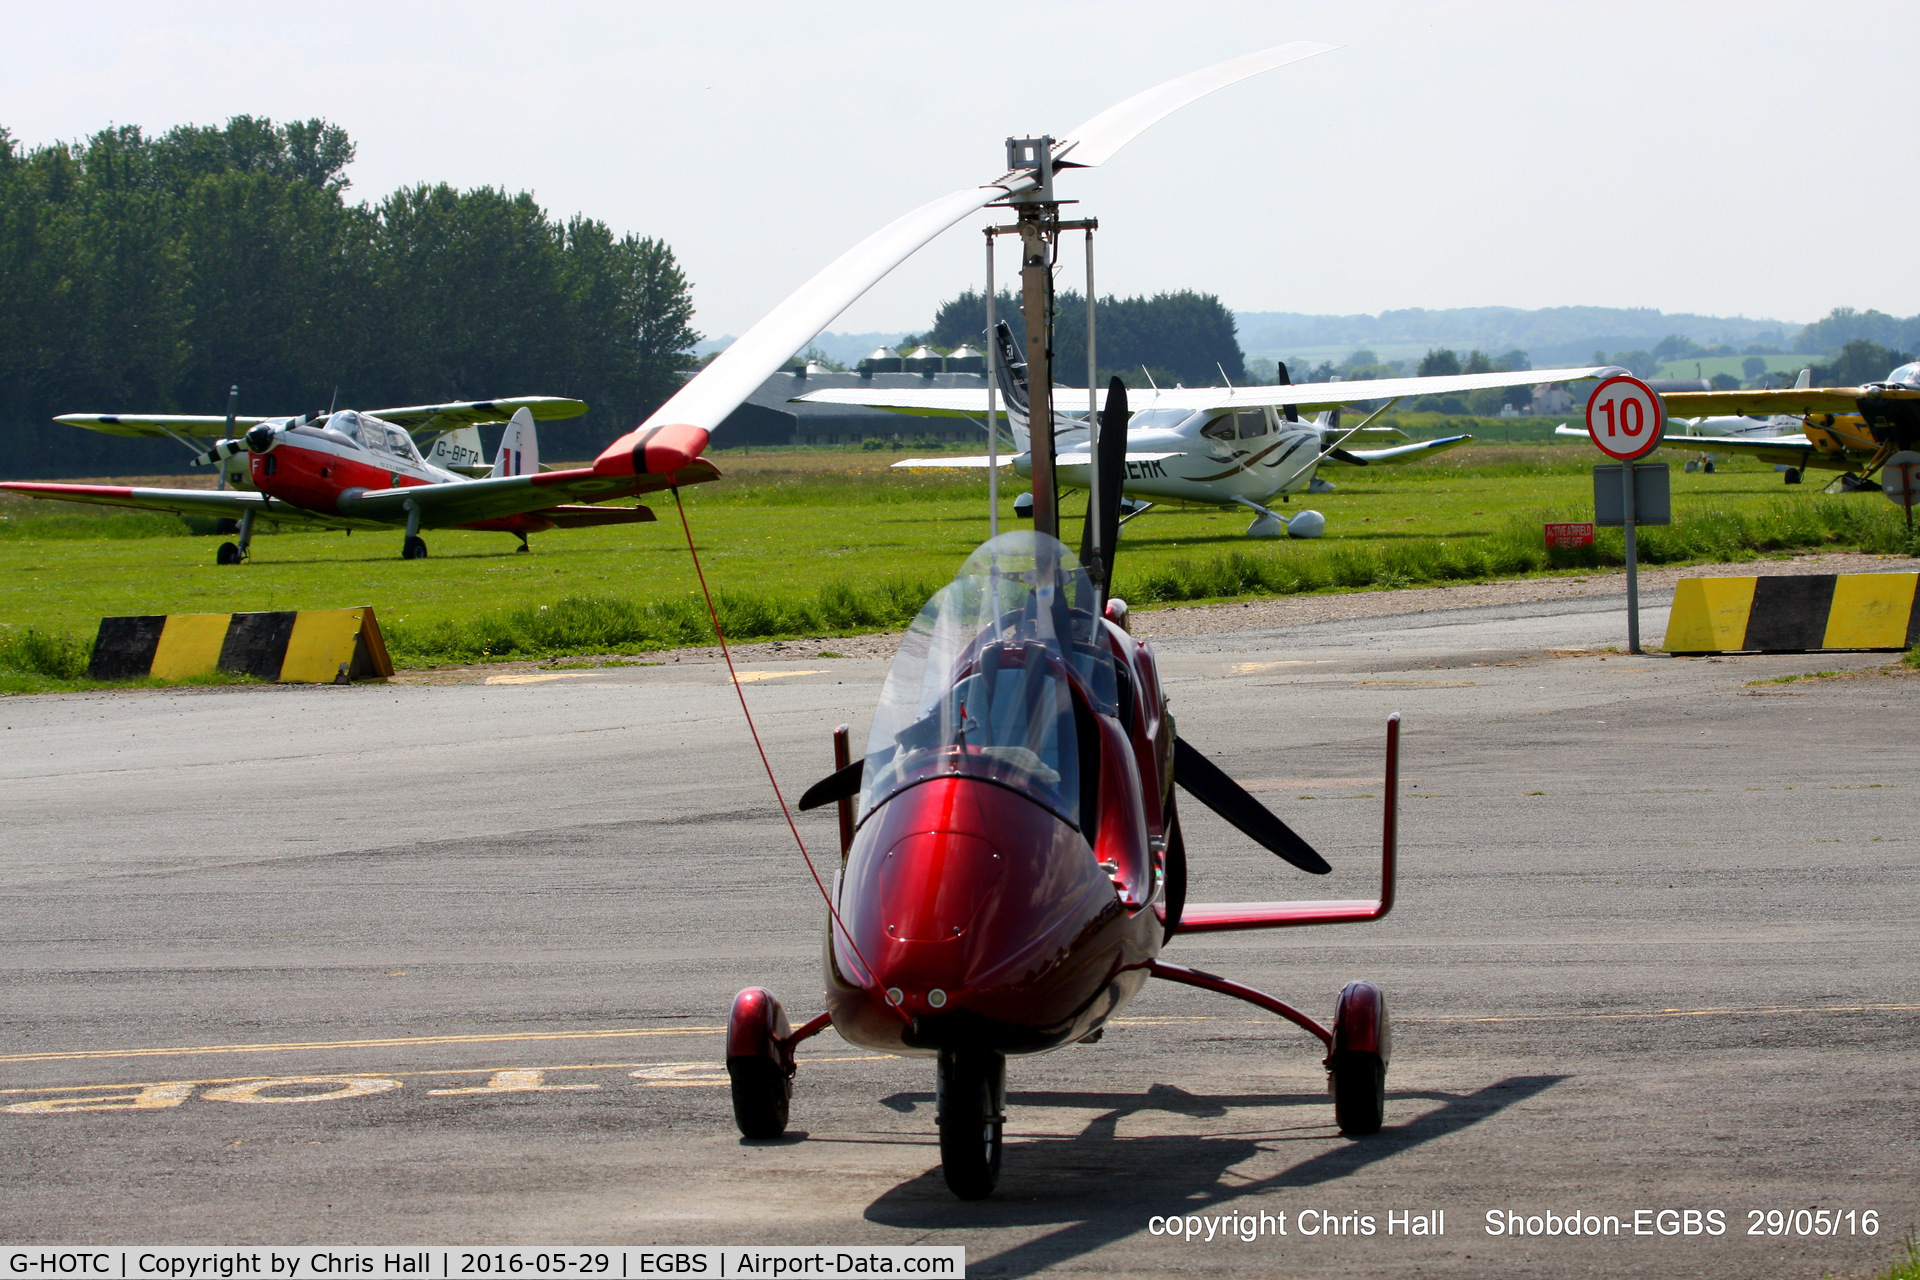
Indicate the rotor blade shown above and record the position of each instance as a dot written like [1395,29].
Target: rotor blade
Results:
[1204,780]
[841,784]
[682,424]
[1095,141]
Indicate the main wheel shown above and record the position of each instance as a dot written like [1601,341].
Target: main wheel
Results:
[1791,475]
[228,553]
[762,1092]
[1359,1082]
[414,548]
[970,1094]
[757,1066]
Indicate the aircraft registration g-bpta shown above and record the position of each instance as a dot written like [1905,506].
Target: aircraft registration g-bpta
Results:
[356,469]
[1215,445]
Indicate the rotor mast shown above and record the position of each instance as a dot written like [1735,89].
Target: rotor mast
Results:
[1039,226]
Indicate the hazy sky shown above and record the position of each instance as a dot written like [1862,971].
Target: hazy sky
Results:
[1751,159]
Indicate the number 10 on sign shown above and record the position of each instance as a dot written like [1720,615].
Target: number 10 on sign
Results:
[1625,418]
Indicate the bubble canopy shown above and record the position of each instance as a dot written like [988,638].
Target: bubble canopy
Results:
[984,683]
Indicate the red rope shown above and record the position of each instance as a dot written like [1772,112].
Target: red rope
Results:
[726,653]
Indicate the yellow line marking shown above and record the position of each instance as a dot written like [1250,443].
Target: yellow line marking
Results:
[1252,668]
[1684,1013]
[748,677]
[392,1042]
[541,678]
[413,1075]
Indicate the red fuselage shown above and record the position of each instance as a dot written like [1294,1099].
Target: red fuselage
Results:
[990,922]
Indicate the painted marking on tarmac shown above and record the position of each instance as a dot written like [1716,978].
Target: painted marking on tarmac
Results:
[164,1094]
[748,677]
[391,1042]
[1254,668]
[541,678]
[1427,684]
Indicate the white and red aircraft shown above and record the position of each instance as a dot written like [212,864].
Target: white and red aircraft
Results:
[362,470]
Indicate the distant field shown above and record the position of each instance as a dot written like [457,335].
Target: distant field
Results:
[823,541]
[1791,365]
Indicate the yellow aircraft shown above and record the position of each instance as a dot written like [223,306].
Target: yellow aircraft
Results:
[1853,430]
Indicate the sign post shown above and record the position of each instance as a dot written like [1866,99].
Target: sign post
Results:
[1626,420]
[1900,481]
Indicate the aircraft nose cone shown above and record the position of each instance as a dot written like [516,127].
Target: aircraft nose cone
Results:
[933,883]
[260,438]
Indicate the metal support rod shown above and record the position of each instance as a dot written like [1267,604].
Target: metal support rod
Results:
[993,387]
[246,531]
[1036,306]
[1633,576]
[1100,554]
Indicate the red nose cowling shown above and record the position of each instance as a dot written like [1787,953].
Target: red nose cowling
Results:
[988,924]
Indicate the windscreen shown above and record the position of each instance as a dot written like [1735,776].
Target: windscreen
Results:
[982,685]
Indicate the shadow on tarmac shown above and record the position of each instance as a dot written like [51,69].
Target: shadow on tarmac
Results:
[1099,1188]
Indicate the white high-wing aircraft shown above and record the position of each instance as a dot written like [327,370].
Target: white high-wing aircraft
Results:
[1735,427]
[1215,445]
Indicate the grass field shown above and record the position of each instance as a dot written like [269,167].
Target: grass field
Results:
[828,541]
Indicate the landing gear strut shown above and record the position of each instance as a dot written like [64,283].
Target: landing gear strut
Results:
[523,542]
[231,553]
[414,548]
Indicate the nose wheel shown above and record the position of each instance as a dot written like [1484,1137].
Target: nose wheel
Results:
[971,1094]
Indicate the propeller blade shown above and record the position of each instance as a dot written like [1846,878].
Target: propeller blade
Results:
[1205,781]
[1112,462]
[1095,141]
[841,784]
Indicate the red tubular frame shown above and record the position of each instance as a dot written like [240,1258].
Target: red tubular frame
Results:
[1216,917]
[807,1032]
[1210,982]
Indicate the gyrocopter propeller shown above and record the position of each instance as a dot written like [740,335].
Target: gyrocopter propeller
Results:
[1011,852]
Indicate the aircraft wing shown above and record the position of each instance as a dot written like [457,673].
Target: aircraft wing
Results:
[1399,453]
[1792,451]
[1309,397]
[445,505]
[1797,402]
[230,503]
[210,426]
[474,412]
[213,426]
[1076,458]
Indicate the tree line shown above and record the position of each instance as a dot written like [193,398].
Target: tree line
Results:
[1177,338]
[147,274]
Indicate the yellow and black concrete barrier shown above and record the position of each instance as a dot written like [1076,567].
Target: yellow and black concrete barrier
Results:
[1793,613]
[306,646]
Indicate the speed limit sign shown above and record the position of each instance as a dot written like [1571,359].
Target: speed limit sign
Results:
[1625,418]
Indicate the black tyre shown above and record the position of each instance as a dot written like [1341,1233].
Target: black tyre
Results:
[1359,1092]
[413,549]
[1707,467]
[1791,475]
[228,553]
[970,1094]
[761,1092]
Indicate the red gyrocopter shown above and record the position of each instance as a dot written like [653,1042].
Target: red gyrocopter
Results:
[1011,856]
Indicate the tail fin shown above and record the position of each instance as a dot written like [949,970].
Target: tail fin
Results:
[1804,381]
[519,449]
